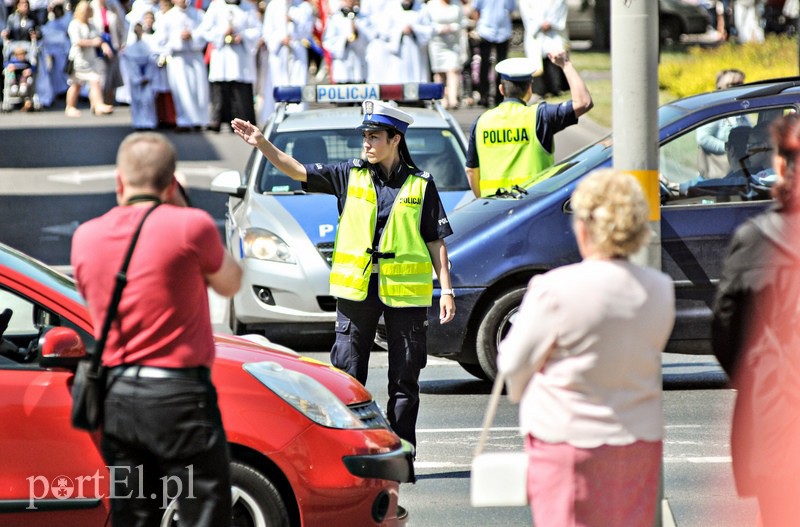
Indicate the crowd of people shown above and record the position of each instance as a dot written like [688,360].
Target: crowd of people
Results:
[198,64]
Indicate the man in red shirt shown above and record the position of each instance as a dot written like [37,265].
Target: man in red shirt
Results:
[162,422]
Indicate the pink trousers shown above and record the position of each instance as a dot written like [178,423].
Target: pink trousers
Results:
[607,486]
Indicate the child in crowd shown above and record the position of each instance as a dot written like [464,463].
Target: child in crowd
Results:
[20,71]
[139,63]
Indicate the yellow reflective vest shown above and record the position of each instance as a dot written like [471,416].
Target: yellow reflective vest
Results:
[404,263]
[508,149]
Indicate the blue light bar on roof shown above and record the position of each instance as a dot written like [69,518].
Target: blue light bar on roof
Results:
[355,93]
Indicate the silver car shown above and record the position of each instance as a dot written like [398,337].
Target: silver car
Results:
[284,236]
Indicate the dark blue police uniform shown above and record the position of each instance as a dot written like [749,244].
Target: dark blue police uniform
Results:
[356,322]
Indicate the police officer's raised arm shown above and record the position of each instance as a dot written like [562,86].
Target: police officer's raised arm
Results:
[282,161]
[581,98]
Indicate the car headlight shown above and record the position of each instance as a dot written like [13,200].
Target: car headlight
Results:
[265,245]
[305,394]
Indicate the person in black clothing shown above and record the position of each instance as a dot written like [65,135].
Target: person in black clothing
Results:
[756,338]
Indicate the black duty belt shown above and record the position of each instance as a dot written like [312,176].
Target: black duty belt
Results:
[152,372]
[376,255]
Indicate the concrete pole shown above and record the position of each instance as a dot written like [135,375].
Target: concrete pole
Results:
[634,81]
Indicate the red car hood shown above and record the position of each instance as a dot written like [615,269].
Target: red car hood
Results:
[235,351]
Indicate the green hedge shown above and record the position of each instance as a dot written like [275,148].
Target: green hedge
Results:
[683,74]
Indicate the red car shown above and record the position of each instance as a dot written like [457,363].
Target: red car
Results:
[309,445]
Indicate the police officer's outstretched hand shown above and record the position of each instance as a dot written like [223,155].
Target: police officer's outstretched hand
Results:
[247,131]
[559,58]
[447,308]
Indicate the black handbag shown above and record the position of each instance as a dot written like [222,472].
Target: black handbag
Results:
[69,67]
[89,384]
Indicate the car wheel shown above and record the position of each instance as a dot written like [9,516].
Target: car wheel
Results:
[255,501]
[670,29]
[474,369]
[496,323]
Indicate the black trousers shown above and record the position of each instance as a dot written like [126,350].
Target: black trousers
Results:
[162,439]
[356,323]
[501,51]
[231,99]
[552,80]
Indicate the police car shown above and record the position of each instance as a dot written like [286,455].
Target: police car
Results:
[500,242]
[283,236]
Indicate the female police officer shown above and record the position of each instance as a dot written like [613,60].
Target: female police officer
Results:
[390,238]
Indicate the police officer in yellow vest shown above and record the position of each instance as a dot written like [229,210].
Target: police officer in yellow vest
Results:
[510,144]
[390,239]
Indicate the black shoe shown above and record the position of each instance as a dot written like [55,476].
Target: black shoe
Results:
[213,127]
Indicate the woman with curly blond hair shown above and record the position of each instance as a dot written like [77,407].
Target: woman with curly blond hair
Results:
[584,361]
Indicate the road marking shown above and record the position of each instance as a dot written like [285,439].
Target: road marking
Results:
[698,460]
[419,465]
[77,177]
[438,464]
[469,430]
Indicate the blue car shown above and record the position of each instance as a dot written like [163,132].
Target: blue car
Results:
[502,241]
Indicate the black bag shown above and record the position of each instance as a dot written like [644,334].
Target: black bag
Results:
[89,384]
[69,67]
[88,395]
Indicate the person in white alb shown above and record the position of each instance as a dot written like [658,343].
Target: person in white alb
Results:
[288,30]
[234,33]
[347,44]
[180,39]
[545,23]
[584,360]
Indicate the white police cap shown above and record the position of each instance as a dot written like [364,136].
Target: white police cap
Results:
[379,115]
[516,69]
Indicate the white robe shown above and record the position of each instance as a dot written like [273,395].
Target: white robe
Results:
[376,30]
[186,70]
[231,62]
[288,64]
[348,59]
[139,64]
[391,56]
[407,58]
[534,13]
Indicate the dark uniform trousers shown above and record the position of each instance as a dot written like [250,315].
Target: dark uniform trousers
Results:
[153,430]
[231,99]
[356,323]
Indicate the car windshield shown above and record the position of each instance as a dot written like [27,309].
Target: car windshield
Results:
[39,272]
[435,150]
[589,158]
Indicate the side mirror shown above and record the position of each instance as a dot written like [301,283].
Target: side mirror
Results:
[61,348]
[229,182]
